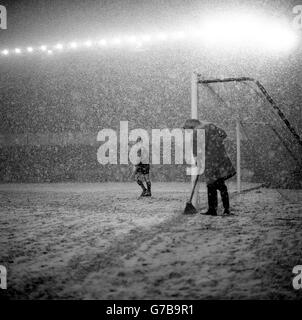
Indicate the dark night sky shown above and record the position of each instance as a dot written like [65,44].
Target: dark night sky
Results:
[36,21]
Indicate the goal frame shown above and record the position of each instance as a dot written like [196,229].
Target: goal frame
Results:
[196,79]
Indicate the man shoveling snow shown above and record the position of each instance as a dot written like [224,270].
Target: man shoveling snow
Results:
[218,166]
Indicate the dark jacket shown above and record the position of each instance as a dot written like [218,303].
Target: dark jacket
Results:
[217,163]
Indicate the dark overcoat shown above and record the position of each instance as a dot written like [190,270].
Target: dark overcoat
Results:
[217,163]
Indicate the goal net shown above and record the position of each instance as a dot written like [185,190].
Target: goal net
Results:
[270,144]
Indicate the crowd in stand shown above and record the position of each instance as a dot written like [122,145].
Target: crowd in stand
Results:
[87,92]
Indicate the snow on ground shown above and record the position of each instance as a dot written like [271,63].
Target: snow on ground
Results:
[98,241]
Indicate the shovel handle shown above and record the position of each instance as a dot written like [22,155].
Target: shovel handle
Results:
[193,190]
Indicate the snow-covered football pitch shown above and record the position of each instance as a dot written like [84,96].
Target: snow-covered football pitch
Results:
[99,241]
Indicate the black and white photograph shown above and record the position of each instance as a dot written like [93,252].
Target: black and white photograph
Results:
[151,150]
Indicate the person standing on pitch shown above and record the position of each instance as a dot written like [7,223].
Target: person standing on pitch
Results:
[142,168]
[218,166]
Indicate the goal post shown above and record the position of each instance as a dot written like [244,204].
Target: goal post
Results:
[266,95]
[194,115]
[196,80]
[238,154]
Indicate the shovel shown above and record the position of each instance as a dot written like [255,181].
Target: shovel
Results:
[190,209]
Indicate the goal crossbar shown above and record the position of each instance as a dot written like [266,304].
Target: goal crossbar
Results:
[197,79]
[265,93]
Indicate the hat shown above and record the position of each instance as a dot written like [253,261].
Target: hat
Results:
[191,124]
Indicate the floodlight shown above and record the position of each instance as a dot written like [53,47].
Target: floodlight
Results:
[230,30]
[146,38]
[246,30]
[178,35]
[103,42]
[59,46]
[116,41]
[73,45]
[88,43]
[162,36]
[131,39]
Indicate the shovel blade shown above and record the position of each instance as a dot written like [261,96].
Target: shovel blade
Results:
[190,209]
